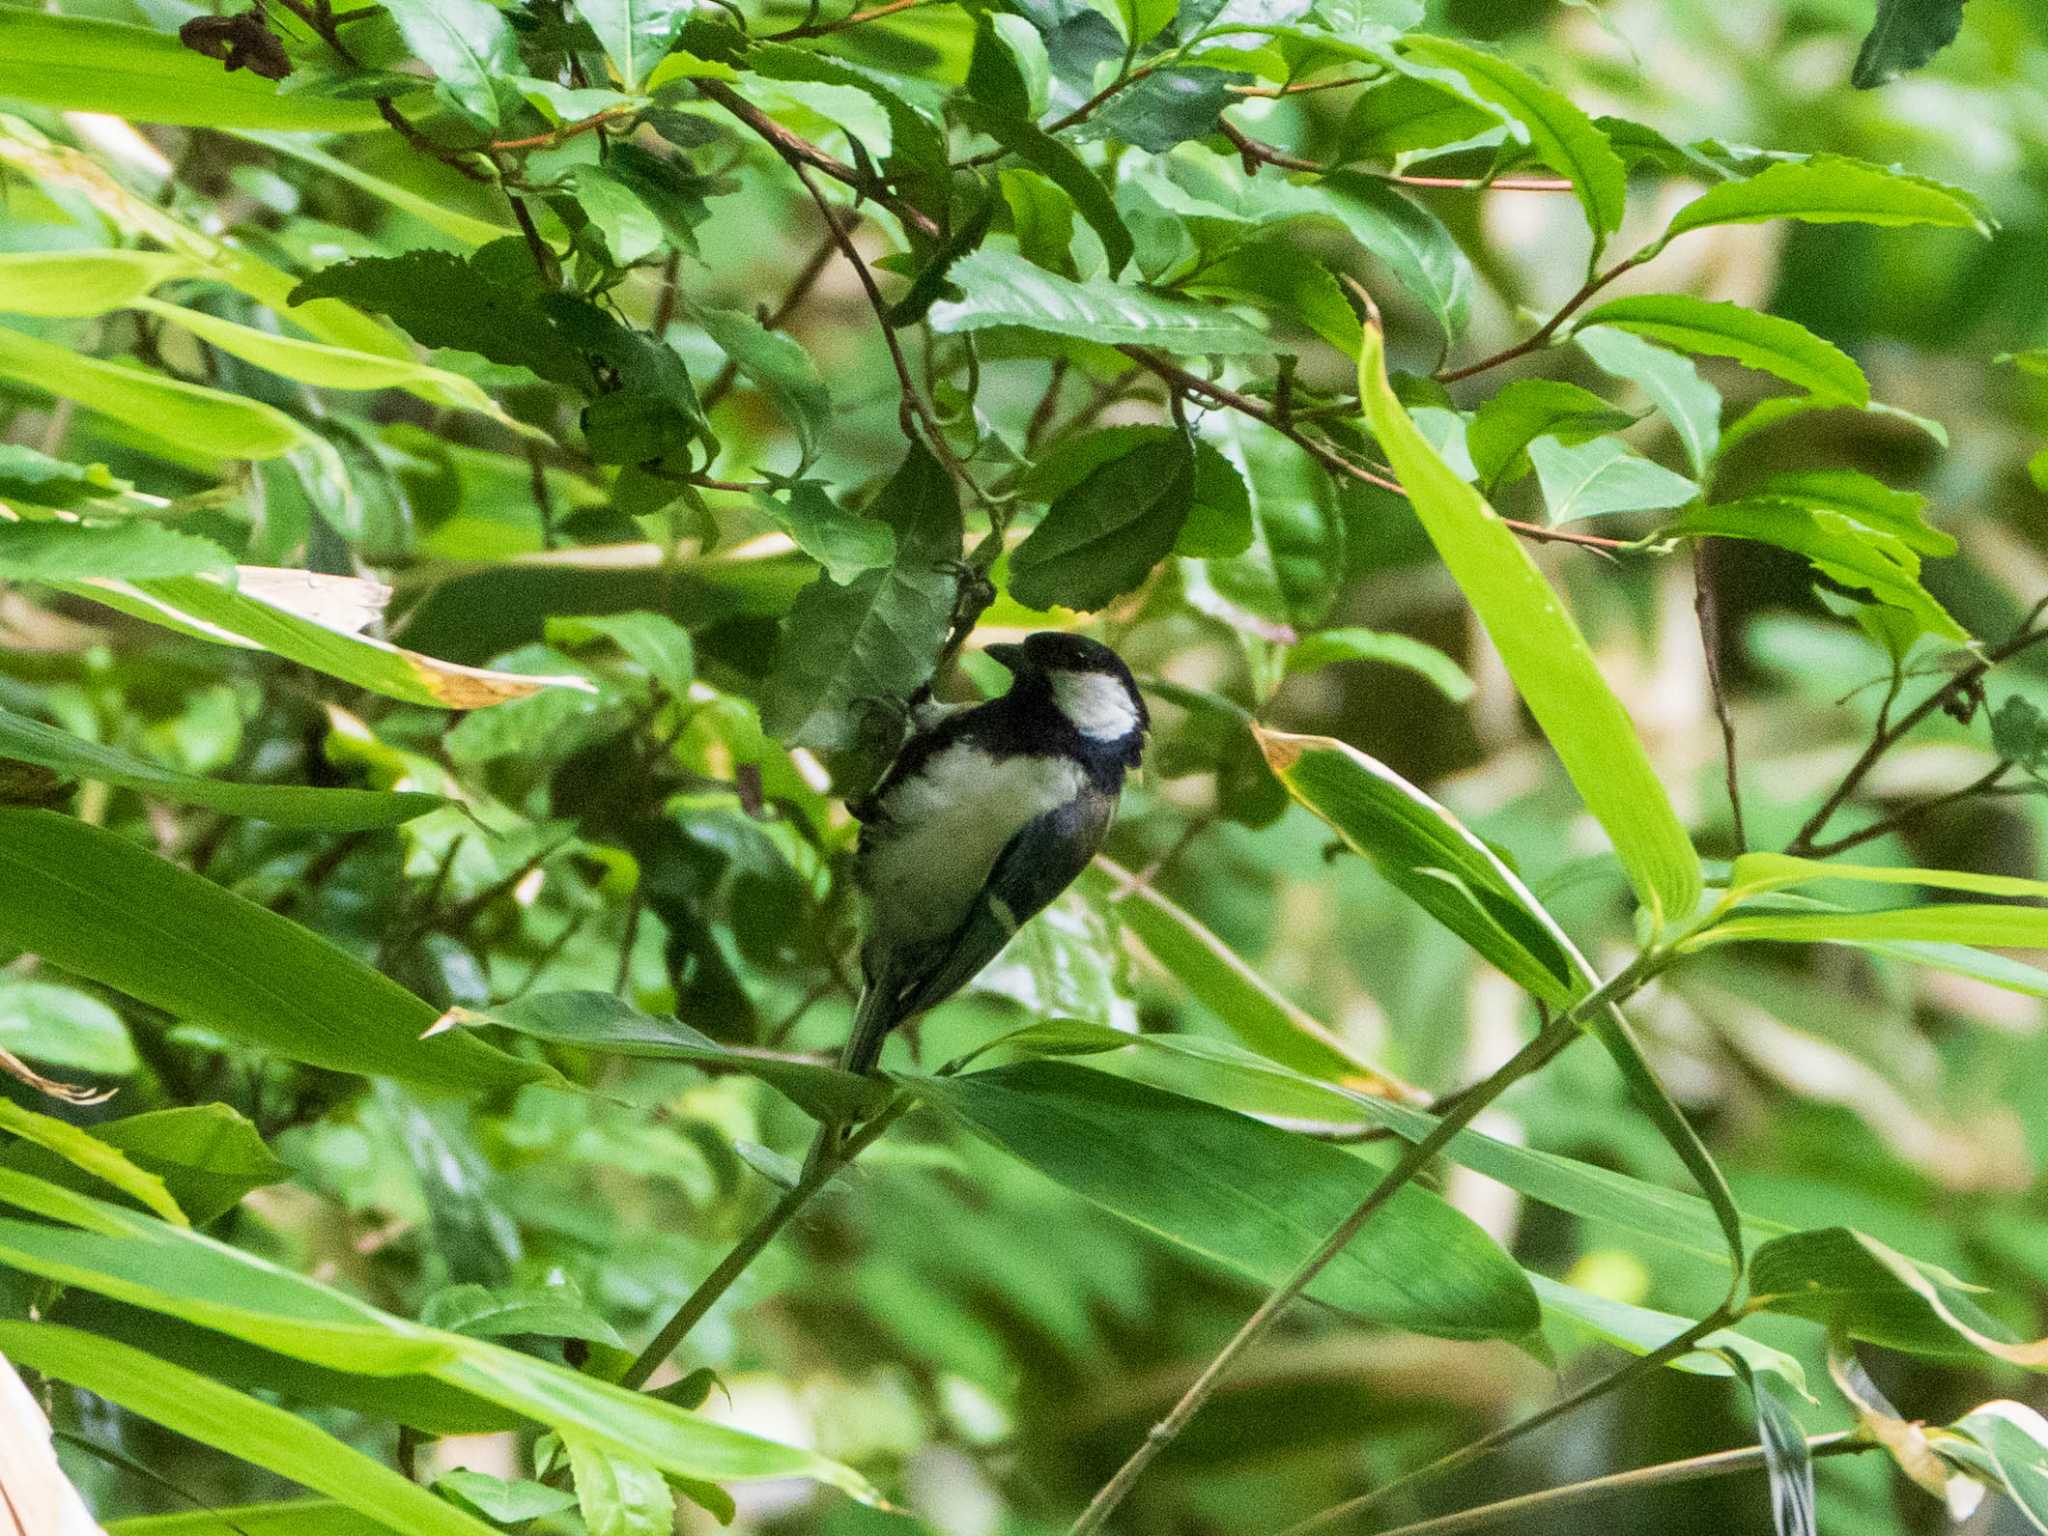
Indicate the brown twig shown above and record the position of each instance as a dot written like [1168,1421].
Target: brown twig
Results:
[567,131]
[858,18]
[1707,609]
[1984,784]
[1179,378]
[1548,329]
[798,151]
[1890,732]
[1256,152]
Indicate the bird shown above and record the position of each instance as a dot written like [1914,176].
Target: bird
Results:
[987,813]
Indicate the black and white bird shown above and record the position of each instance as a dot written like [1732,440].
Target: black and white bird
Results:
[988,812]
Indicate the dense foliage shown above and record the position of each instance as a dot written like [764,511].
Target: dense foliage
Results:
[479,486]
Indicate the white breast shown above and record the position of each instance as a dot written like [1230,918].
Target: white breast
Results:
[1098,704]
[945,827]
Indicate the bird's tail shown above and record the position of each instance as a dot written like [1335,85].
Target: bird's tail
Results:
[875,1015]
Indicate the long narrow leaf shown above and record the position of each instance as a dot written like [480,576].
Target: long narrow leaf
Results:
[1544,653]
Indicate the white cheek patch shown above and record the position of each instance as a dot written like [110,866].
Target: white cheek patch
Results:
[1099,705]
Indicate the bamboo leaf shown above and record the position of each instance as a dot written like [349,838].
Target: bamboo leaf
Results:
[1544,653]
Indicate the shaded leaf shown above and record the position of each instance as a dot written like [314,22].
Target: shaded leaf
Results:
[1906,34]
[1102,538]
[1000,289]
[1330,646]
[1602,477]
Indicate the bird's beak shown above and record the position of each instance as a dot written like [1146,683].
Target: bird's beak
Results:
[1010,655]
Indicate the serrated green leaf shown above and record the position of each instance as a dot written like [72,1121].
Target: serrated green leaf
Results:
[1602,477]
[1053,159]
[1102,538]
[1501,432]
[1567,140]
[1688,402]
[1769,342]
[635,34]
[1001,289]
[467,44]
[1906,34]
[1827,189]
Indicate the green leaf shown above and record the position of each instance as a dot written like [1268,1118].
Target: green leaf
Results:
[1955,922]
[1059,164]
[1409,240]
[1906,35]
[2004,1444]
[289,1517]
[846,545]
[499,1501]
[102,908]
[1277,276]
[653,640]
[481,1312]
[81,64]
[1330,646]
[1875,505]
[999,79]
[1565,138]
[1249,1197]
[304,632]
[1102,538]
[89,1154]
[1827,189]
[1041,219]
[1642,1330]
[1428,855]
[1755,874]
[618,1495]
[1603,477]
[1545,655]
[189,416]
[1672,382]
[467,44]
[1400,114]
[206,1155]
[63,1027]
[483,304]
[775,365]
[1527,409]
[1839,547]
[172,1270]
[452,222]
[1290,570]
[1001,289]
[635,34]
[329,366]
[598,1021]
[1787,1460]
[1220,980]
[1767,342]
[879,635]
[231,1421]
[627,226]
[23,740]
[76,284]
[1858,1286]
[57,552]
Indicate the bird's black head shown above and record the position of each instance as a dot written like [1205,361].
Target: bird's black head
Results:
[1087,685]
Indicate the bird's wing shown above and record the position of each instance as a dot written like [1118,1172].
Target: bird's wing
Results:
[1042,860]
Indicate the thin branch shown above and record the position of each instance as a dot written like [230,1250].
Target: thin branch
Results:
[567,131]
[858,18]
[1672,1349]
[1907,815]
[800,151]
[1179,378]
[1080,114]
[1707,609]
[734,1264]
[1548,329]
[1256,152]
[1747,1458]
[1890,732]
[1552,1038]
